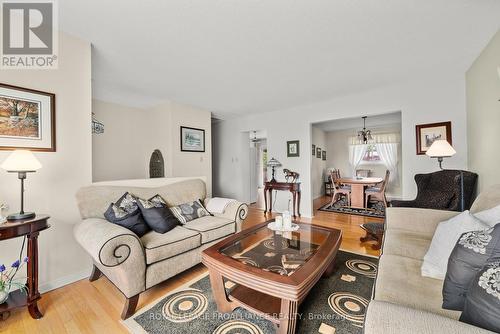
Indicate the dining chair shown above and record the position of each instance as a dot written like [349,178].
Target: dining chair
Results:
[378,192]
[338,188]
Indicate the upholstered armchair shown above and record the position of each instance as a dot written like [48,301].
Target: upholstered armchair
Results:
[442,191]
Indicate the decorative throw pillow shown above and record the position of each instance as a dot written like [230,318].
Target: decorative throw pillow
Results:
[157,215]
[482,306]
[128,202]
[444,239]
[189,211]
[132,221]
[490,216]
[470,254]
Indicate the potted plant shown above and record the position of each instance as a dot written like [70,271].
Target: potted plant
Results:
[7,282]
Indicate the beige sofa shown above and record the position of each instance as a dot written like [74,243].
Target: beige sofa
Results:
[403,300]
[135,264]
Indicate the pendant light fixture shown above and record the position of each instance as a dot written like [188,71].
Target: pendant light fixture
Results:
[364,135]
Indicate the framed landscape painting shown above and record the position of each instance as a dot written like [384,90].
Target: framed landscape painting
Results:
[428,133]
[27,119]
[192,139]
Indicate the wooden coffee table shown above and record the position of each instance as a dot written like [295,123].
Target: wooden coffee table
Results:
[270,273]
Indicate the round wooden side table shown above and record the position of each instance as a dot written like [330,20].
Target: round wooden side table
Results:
[31,229]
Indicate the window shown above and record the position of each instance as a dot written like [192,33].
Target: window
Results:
[371,155]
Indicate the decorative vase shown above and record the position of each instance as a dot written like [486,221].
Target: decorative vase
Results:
[4,295]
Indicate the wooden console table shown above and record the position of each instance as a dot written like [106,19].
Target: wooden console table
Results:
[31,229]
[294,188]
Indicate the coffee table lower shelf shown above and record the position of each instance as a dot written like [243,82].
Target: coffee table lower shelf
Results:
[264,305]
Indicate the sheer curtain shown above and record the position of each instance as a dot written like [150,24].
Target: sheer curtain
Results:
[388,153]
[356,154]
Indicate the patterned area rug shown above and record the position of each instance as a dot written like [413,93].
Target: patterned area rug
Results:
[335,305]
[375,209]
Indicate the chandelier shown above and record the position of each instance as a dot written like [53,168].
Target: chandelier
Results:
[364,135]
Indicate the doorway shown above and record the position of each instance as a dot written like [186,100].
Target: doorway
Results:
[258,167]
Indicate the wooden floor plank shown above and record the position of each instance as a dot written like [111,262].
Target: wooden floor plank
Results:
[85,307]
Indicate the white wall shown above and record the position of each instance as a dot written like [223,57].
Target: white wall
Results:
[338,155]
[119,153]
[132,134]
[51,190]
[318,165]
[483,114]
[427,100]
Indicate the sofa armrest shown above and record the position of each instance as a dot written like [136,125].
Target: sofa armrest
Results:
[116,251]
[417,220]
[387,318]
[235,210]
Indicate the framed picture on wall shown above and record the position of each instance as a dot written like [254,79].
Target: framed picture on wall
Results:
[192,139]
[318,152]
[292,148]
[323,155]
[428,133]
[314,149]
[27,119]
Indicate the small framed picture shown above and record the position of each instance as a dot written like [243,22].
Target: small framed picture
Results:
[428,133]
[27,119]
[192,139]
[314,149]
[318,152]
[323,155]
[292,148]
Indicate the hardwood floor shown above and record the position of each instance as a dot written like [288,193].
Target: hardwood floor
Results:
[85,307]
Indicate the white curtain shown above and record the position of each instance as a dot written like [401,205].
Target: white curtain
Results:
[388,153]
[356,154]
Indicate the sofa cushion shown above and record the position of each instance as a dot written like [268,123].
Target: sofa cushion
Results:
[399,282]
[132,221]
[157,215]
[445,237]
[470,254]
[211,228]
[482,306]
[406,243]
[189,211]
[163,246]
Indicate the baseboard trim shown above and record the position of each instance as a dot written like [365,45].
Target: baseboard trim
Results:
[62,281]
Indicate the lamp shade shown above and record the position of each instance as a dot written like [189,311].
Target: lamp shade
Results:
[273,163]
[440,148]
[21,161]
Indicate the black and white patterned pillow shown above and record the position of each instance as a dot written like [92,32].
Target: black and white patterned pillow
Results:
[482,306]
[157,215]
[128,202]
[132,221]
[189,211]
[471,252]
[125,212]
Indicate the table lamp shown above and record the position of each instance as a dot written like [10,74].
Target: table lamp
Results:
[21,162]
[440,149]
[273,163]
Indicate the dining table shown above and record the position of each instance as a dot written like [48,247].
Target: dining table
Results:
[358,185]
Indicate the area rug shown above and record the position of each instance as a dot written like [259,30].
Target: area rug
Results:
[335,305]
[375,209]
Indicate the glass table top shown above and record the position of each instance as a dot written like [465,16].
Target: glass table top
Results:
[282,253]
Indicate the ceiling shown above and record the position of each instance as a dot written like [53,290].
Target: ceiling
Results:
[251,56]
[372,122]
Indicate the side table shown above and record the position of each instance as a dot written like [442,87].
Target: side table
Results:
[31,229]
